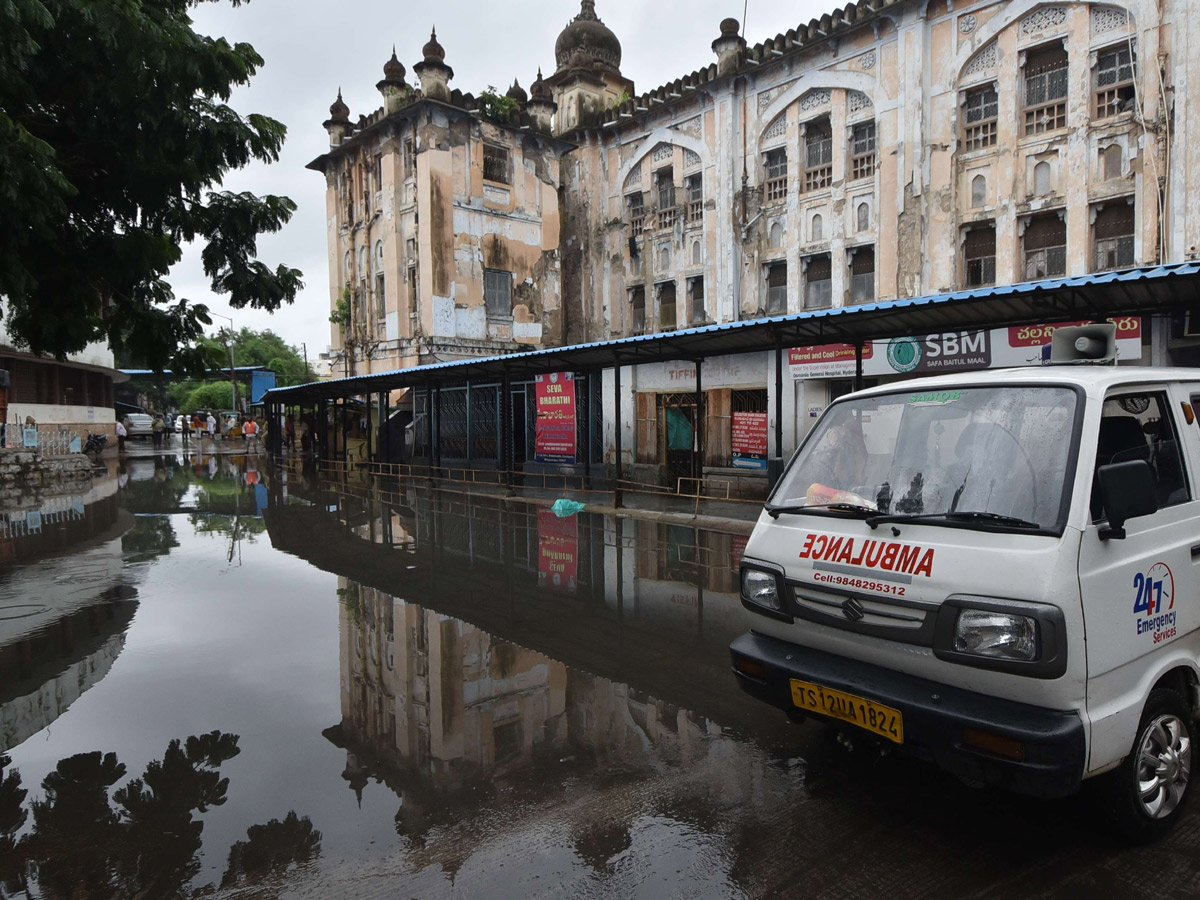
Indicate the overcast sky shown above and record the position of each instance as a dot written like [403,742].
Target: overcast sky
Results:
[312,47]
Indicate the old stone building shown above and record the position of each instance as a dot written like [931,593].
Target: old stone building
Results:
[889,149]
[443,222]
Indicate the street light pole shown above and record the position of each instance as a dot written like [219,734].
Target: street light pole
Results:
[229,347]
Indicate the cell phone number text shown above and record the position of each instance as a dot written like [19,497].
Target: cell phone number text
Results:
[862,584]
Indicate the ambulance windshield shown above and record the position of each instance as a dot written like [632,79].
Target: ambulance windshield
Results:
[977,454]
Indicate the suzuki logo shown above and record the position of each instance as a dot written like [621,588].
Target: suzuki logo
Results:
[853,610]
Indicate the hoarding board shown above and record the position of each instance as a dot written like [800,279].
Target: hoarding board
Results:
[951,351]
[554,432]
[749,440]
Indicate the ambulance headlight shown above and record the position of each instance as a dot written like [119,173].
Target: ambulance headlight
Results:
[761,588]
[1000,635]
[1017,636]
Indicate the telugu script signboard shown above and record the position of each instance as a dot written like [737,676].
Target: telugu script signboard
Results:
[554,433]
[749,440]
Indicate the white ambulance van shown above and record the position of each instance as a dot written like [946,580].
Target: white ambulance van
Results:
[997,572]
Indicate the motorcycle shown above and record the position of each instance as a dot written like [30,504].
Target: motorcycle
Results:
[94,445]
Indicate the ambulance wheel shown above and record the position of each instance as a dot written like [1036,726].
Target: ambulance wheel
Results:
[1147,793]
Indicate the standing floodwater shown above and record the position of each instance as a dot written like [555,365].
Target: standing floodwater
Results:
[215,679]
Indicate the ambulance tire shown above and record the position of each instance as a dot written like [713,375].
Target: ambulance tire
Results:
[1120,788]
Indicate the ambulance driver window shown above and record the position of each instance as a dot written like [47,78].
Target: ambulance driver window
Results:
[1138,426]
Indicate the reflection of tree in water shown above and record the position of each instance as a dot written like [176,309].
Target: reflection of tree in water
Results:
[270,849]
[12,817]
[145,840]
[149,538]
[247,527]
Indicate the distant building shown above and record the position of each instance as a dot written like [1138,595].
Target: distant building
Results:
[75,394]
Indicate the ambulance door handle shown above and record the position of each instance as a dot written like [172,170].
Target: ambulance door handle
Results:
[1195,550]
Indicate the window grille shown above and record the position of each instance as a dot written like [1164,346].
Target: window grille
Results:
[862,151]
[818,155]
[665,184]
[696,297]
[980,110]
[380,296]
[495,163]
[1114,82]
[695,197]
[1045,247]
[777,288]
[1113,235]
[666,306]
[818,282]
[862,275]
[497,292]
[979,255]
[1046,90]
[637,303]
[410,157]
[636,204]
[775,166]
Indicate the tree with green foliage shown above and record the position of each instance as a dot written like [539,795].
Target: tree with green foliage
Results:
[115,133]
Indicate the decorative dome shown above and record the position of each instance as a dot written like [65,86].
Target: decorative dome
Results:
[729,27]
[393,69]
[516,92]
[339,111]
[433,51]
[539,90]
[588,39]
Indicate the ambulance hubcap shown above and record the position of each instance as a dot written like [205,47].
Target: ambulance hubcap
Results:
[1164,765]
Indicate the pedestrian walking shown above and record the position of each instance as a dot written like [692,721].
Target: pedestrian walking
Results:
[122,433]
[185,429]
[157,431]
[211,424]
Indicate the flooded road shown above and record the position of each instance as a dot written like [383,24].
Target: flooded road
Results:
[220,681]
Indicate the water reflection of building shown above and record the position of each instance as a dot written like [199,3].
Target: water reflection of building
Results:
[61,626]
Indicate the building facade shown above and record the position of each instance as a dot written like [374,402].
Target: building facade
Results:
[72,395]
[890,149]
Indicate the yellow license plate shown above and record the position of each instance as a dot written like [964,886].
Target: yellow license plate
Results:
[875,717]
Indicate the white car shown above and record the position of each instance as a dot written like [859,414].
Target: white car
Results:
[139,425]
[999,573]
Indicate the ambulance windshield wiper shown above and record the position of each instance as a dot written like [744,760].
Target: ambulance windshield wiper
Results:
[776,511]
[954,516]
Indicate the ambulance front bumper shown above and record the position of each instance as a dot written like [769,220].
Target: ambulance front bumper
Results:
[936,716]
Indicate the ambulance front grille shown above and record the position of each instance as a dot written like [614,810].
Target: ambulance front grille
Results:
[899,621]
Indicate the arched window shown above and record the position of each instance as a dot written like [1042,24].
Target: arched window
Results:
[346,263]
[978,191]
[1111,157]
[362,259]
[818,228]
[1041,179]
[664,257]
[864,217]
[379,253]
[775,236]
[696,253]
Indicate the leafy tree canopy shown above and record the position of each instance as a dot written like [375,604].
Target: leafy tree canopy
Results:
[115,133]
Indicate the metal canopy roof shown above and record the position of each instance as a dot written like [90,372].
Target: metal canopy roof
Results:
[1128,292]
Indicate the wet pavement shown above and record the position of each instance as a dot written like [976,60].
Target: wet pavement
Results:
[221,681]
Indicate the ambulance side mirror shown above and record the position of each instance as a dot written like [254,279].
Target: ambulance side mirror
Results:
[1127,491]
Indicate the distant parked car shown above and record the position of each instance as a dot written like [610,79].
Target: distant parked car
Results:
[139,425]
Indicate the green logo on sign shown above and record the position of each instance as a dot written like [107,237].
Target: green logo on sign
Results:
[904,353]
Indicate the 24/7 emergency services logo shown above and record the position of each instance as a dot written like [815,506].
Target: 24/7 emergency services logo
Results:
[1154,602]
